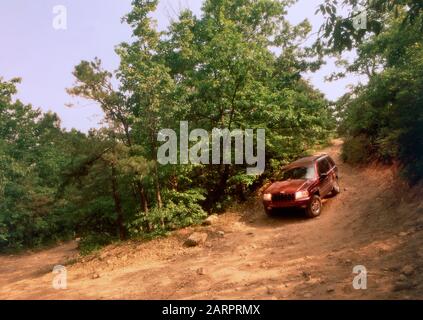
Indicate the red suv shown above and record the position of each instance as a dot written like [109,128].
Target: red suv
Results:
[304,183]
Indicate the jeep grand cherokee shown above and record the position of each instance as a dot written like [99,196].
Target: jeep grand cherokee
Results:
[303,184]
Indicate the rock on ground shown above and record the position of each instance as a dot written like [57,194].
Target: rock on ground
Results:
[211,220]
[196,239]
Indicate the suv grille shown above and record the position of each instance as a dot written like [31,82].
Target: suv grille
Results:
[283,197]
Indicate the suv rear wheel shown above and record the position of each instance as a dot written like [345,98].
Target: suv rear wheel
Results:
[314,208]
[336,188]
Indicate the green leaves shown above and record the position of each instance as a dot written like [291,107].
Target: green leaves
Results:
[181,210]
[31,159]
[338,33]
[383,120]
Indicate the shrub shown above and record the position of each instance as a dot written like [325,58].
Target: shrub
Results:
[357,150]
[94,241]
[182,210]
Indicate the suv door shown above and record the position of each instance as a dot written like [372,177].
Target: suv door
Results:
[323,168]
[334,167]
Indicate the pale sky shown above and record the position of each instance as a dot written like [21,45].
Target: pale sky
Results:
[45,57]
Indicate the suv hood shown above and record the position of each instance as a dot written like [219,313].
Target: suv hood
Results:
[288,186]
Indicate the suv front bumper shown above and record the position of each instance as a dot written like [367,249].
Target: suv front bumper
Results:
[303,203]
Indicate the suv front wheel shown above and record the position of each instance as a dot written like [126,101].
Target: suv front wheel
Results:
[269,212]
[314,208]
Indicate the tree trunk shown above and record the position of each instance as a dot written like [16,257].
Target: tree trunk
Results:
[156,172]
[144,201]
[118,206]
[140,188]
[158,190]
[142,197]
[219,188]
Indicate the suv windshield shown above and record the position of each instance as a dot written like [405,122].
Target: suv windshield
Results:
[299,173]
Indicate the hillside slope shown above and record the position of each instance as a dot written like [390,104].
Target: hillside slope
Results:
[375,222]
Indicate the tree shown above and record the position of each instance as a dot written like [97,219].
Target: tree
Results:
[31,157]
[231,76]
[383,119]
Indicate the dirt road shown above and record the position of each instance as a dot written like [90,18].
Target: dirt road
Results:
[374,222]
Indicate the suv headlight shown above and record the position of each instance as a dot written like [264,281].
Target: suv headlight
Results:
[267,197]
[301,195]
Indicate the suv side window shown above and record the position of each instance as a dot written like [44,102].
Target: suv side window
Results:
[323,166]
[331,162]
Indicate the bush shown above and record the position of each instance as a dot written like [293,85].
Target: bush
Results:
[357,150]
[388,146]
[93,242]
[180,211]
[383,120]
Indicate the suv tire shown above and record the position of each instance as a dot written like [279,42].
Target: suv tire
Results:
[269,212]
[314,208]
[336,188]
